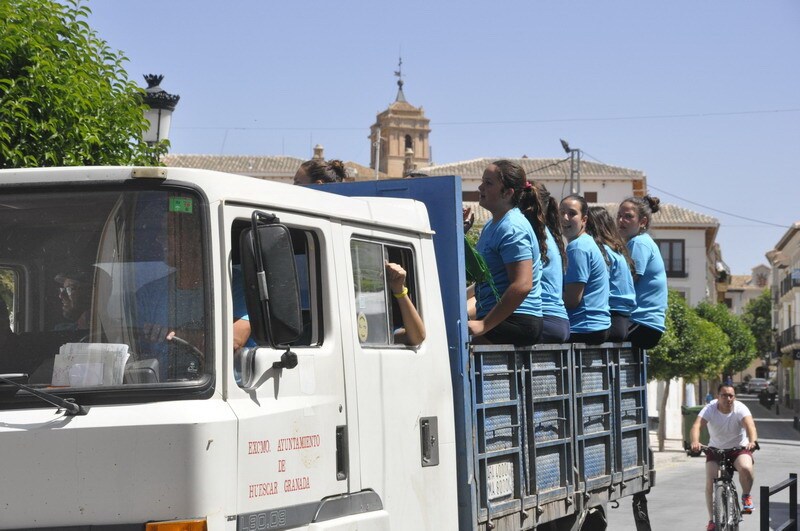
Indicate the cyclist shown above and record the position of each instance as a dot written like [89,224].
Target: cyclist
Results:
[730,425]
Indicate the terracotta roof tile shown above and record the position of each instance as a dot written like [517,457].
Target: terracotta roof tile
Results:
[535,167]
[254,166]
[667,216]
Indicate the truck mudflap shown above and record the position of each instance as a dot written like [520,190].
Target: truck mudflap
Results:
[561,430]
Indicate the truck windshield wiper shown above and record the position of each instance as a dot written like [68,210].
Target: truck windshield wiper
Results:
[70,407]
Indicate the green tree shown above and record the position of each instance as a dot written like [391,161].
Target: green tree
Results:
[65,98]
[690,347]
[742,342]
[758,317]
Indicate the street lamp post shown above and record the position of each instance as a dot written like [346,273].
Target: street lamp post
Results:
[160,105]
[574,167]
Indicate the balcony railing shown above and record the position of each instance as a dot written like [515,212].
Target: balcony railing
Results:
[788,283]
[790,336]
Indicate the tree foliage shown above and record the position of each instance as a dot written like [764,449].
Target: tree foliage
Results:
[65,98]
[742,342]
[691,347]
[758,317]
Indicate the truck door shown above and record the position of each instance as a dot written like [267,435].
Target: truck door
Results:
[292,422]
[404,398]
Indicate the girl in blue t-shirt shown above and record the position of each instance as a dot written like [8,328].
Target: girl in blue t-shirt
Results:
[586,279]
[650,278]
[510,248]
[555,323]
[622,296]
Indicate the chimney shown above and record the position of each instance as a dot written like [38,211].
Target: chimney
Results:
[318,153]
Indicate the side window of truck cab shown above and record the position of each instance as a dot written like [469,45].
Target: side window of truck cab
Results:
[307,262]
[378,318]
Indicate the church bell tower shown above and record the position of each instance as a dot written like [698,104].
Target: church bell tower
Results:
[399,136]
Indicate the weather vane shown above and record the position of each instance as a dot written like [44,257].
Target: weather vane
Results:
[399,72]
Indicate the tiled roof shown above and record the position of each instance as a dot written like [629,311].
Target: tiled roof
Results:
[672,215]
[534,167]
[739,282]
[257,165]
[667,216]
[253,165]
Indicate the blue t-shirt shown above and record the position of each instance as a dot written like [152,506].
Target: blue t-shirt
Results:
[585,264]
[622,295]
[239,303]
[651,288]
[553,281]
[507,241]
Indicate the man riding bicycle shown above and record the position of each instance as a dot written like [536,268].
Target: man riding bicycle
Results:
[730,425]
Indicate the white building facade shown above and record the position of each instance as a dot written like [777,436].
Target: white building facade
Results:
[785,261]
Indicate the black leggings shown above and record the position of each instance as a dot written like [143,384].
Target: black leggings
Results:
[517,329]
[590,338]
[619,327]
[642,336]
[554,329]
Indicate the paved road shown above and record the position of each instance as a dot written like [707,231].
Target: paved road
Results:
[677,502]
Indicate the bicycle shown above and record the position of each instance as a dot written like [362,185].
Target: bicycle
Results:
[725,505]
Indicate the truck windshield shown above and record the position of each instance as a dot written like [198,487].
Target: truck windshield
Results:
[103,288]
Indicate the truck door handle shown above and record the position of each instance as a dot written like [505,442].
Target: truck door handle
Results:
[429,440]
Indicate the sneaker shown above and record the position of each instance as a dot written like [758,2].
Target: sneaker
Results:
[747,504]
[711,526]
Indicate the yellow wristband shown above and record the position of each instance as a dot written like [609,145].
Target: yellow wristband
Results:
[401,294]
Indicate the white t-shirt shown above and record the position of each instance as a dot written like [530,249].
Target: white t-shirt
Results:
[726,430]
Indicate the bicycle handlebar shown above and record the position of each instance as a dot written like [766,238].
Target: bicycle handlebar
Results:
[705,449]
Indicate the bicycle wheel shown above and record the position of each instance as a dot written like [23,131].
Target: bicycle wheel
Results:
[721,506]
[734,513]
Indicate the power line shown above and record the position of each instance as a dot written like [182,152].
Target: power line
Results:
[620,118]
[548,166]
[701,204]
[509,122]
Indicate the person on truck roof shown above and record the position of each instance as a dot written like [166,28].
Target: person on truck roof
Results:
[320,172]
[586,286]
[650,277]
[510,244]
[622,296]
[555,323]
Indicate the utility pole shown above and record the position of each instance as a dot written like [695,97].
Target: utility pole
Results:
[574,167]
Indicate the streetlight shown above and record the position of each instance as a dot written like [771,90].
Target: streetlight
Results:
[574,169]
[160,105]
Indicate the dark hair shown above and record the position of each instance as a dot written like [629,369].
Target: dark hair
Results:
[725,384]
[645,207]
[551,219]
[525,197]
[600,226]
[581,200]
[331,171]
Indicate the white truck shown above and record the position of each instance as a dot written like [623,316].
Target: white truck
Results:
[124,405]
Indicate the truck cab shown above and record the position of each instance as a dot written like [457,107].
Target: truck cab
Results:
[140,410]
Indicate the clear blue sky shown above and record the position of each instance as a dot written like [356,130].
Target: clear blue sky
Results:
[703,96]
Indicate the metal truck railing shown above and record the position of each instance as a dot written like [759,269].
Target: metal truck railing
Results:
[559,429]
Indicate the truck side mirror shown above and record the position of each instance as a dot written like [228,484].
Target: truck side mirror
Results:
[271,287]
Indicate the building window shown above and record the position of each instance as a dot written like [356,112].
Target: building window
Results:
[672,251]
[591,197]
[409,142]
[728,303]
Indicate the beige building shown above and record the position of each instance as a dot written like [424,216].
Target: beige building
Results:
[399,138]
[785,261]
